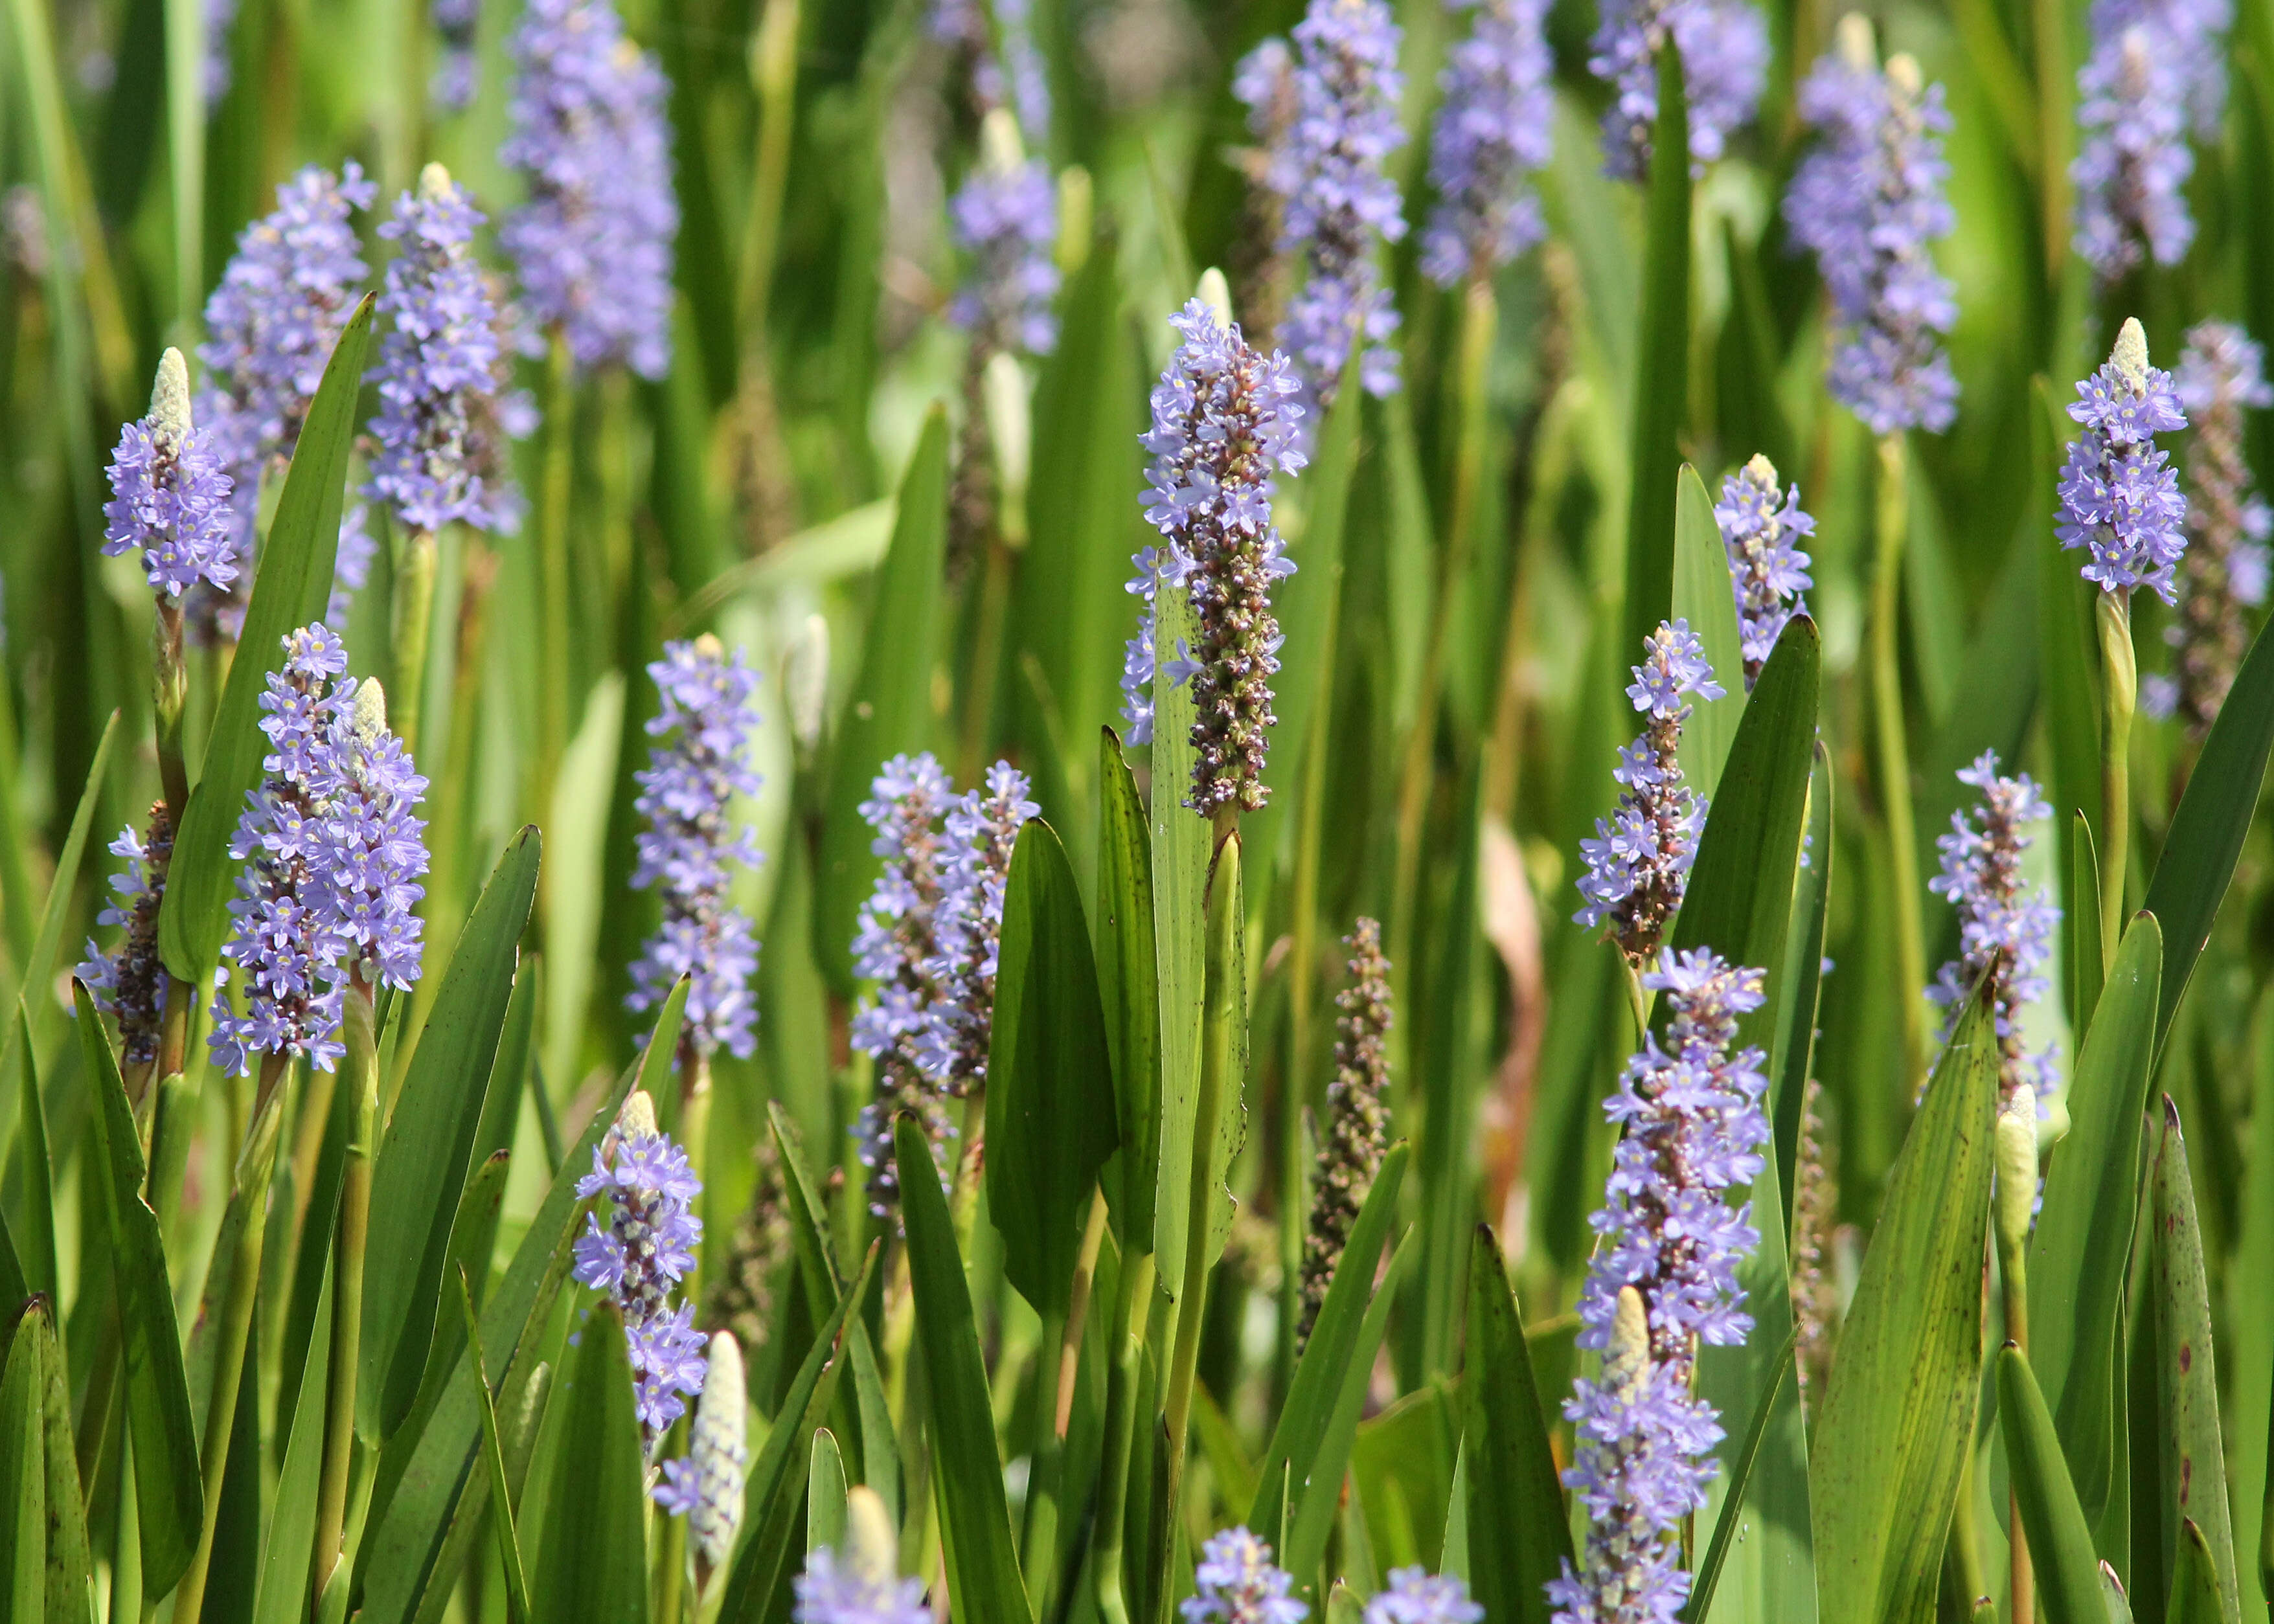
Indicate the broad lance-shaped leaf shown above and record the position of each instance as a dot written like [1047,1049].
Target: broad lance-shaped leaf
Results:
[1706,1584]
[1661,381]
[71,1570]
[2198,1595]
[592,1567]
[890,710]
[1799,989]
[2061,1540]
[281,1597]
[423,1158]
[1447,1060]
[1891,1441]
[1050,1081]
[1505,1455]
[291,589]
[1180,876]
[1129,988]
[169,1497]
[23,1471]
[1703,596]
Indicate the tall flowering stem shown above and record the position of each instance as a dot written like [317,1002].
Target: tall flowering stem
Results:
[1494,131]
[2120,503]
[1664,1279]
[1358,1118]
[1724,45]
[1759,524]
[1223,427]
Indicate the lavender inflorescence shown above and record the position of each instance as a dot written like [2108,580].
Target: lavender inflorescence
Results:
[457,74]
[1263,82]
[1639,860]
[130,980]
[1725,63]
[593,245]
[2120,496]
[1767,572]
[1236,1582]
[1869,203]
[170,493]
[1358,1116]
[2156,75]
[640,1253]
[982,827]
[1664,1278]
[1222,426]
[962,25]
[1416,1596]
[1006,219]
[1494,130]
[834,1590]
[691,844]
[2004,932]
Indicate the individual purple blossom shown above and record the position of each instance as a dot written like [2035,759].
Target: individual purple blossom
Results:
[1639,861]
[130,980]
[1235,1582]
[1663,1279]
[169,494]
[832,1590]
[691,844]
[593,244]
[1007,218]
[1339,197]
[1494,130]
[2005,931]
[640,1253]
[1767,572]
[1724,65]
[2120,496]
[1870,202]
[1222,426]
[2157,74]
[1414,1597]
[966,930]
[437,367]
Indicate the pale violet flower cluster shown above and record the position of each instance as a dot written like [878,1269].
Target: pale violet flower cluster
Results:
[962,25]
[1223,427]
[1415,1597]
[332,849]
[981,828]
[1236,1582]
[1007,221]
[130,980]
[457,73]
[593,244]
[833,1591]
[1494,130]
[1725,66]
[170,494]
[1339,199]
[1767,571]
[2005,931]
[1639,861]
[1664,1278]
[2119,495]
[639,1252]
[2156,75]
[1870,202]
[691,844]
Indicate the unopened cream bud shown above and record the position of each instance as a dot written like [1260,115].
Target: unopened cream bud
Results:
[370,719]
[1215,293]
[433,181]
[2017,1172]
[1626,1362]
[1011,429]
[871,1549]
[170,399]
[1000,150]
[805,681]
[1852,39]
[2130,355]
[636,1117]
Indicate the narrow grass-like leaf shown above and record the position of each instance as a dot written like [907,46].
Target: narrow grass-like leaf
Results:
[824,1494]
[36,1242]
[291,591]
[1800,989]
[890,710]
[24,1470]
[1661,383]
[2061,1540]
[424,1157]
[71,1569]
[1314,1507]
[1180,871]
[502,1508]
[282,1596]
[170,1498]
[593,1565]
[1700,1605]
[2082,945]
[1703,596]
[1447,1059]
[1128,986]
[1512,1483]
[1891,1439]
[1049,1078]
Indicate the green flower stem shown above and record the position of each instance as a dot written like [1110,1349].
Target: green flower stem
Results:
[169,691]
[1053,1413]
[1128,1350]
[695,1138]
[2119,691]
[414,613]
[1895,767]
[362,1075]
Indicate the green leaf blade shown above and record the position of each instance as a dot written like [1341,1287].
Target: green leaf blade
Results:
[1505,1454]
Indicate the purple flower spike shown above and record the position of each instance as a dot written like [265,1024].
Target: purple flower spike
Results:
[1868,202]
[1235,1583]
[1415,1598]
[1639,861]
[1664,1278]
[962,25]
[966,930]
[1767,571]
[2003,932]
[1005,217]
[2120,496]
[593,244]
[690,845]
[2157,74]
[1725,66]
[130,980]
[170,494]
[435,427]
[832,1590]
[1494,130]
[457,74]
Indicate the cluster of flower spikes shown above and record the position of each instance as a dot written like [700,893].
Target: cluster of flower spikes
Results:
[1494,130]
[437,363]
[1416,1596]
[691,845]
[2220,375]
[2004,932]
[593,244]
[1222,426]
[834,1590]
[1358,1116]
[1339,198]
[1767,572]
[1639,861]
[639,1252]
[1005,216]
[1725,66]
[457,71]
[1236,1582]
[170,493]
[333,849]
[2157,74]
[1869,203]
[982,827]
[1663,1279]
[705,1484]
[894,947]
[130,980]
[962,25]
[2119,497]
